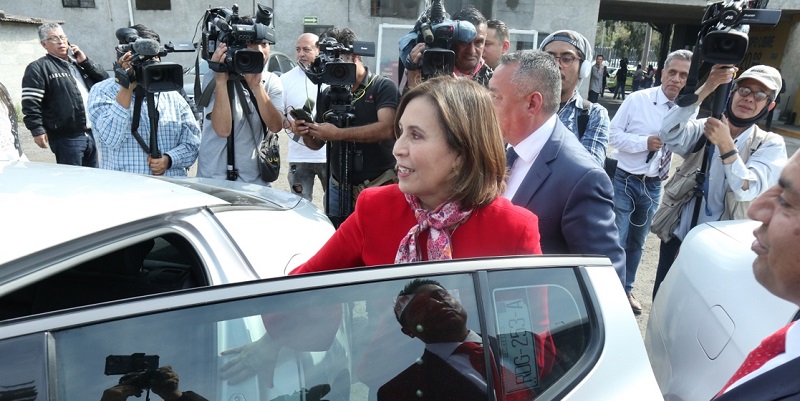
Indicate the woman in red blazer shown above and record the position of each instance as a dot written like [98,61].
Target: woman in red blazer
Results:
[452,170]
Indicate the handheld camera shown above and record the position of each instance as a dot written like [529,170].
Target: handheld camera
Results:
[224,25]
[138,369]
[148,71]
[329,67]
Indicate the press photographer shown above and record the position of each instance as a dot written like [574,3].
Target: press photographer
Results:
[140,374]
[366,138]
[728,159]
[160,136]
[240,97]
[440,45]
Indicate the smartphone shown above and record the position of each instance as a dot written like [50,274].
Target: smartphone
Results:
[70,53]
[300,114]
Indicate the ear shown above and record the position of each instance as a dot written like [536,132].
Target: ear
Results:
[771,106]
[506,46]
[41,42]
[535,101]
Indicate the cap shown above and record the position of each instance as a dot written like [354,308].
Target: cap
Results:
[769,76]
[580,42]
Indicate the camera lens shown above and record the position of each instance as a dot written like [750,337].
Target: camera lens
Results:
[339,72]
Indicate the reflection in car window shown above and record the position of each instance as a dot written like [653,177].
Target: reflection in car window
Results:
[22,375]
[356,342]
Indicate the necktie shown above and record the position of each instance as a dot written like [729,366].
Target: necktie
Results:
[771,347]
[666,158]
[511,156]
[475,353]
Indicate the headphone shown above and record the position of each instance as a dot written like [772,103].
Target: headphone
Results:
[586,69]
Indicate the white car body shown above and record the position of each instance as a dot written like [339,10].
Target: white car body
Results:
[710,312]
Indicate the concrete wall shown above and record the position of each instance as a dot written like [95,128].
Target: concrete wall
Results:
[18,47]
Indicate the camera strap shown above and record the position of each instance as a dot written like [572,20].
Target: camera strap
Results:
[152,113]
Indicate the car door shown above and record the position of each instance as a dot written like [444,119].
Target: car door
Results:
[554,328]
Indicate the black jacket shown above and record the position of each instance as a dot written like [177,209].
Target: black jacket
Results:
[51,101]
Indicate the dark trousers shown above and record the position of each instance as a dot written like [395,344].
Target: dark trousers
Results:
[593,96]
[77,151]
[666,256]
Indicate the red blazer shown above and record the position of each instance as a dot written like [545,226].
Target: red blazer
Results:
[372,234]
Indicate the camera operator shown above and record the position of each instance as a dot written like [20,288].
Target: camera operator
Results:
[744,160]
[263,95]
[165,386]
[110,112]
[469,55]
[375,100]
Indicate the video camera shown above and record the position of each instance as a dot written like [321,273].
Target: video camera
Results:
[154,75]
[723,39]
[329,68]
[435,28]
[223,25]
[138,369]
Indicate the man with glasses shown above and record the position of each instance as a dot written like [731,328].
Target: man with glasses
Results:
[743,160]
[588,121]
[55,92]
[642,161]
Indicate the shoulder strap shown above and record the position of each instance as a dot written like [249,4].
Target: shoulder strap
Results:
[583,118]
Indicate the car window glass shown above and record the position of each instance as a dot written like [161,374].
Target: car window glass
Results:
[22,375]
[273,64]
[164,263]
[542,327]
[345,341]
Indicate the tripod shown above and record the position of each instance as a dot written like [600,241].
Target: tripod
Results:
[341,116]
[152,117]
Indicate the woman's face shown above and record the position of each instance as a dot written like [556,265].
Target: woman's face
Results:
[425,163]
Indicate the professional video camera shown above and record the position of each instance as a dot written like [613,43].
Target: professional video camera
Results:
[329,68]
[148,71]
[435,28]
[723,39]
[137,369]
[223,25]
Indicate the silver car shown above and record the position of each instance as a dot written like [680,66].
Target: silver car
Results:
[560,328]
[75,236]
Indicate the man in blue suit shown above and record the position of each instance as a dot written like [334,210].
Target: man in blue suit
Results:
[551,173]
[770,371]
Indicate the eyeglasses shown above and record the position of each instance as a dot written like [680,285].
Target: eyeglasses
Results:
[759,96]
[565,60]
[57,39]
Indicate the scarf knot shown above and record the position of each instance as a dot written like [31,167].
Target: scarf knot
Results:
[441,223]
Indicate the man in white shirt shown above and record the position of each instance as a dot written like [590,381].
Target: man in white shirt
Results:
[771,374]
[300,93]
[642,163]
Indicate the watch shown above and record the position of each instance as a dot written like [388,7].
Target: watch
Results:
[727,155]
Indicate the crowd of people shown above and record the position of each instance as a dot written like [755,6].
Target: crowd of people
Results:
[501,157]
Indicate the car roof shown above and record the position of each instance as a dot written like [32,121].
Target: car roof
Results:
[45,204]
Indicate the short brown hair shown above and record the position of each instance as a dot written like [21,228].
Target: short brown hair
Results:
[471,127]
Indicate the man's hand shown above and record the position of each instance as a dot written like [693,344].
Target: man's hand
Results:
[125,63]
[248,360]
[41,140]
[253,81]
[719,134]
[219,57]
[654,143]
[160,165]
[121,392]
[167,385]
[720,74]
[77,53]
[324,131]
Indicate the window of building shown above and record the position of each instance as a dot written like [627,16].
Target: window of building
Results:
[394,8]
[78,3]
[153,5]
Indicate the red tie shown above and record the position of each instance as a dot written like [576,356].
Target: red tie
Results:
[771,347]
[475,353]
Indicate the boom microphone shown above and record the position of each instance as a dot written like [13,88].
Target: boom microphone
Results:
[146,47]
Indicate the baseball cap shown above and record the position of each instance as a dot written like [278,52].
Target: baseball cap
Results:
[580,42]
[769,76]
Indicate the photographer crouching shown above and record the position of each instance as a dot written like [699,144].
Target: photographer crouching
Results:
[165,118]
[355,119]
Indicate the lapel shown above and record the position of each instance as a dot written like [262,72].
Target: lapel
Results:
[777,384]
[540,169]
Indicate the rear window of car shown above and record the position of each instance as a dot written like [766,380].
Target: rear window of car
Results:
[346,342]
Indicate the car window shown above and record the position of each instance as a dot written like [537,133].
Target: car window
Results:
[23,375]
[344,343]
[160,264]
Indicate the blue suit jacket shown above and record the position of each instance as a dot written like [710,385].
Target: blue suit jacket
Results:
[780,383]
[574,200]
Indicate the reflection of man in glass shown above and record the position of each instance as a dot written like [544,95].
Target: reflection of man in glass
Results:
[163,382]
[452,366]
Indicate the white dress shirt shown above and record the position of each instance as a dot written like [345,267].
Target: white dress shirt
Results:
[528,149]
[460,361]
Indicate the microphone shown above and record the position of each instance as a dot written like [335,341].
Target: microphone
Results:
[146,47]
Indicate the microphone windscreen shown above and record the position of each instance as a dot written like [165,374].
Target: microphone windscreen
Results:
[146,47]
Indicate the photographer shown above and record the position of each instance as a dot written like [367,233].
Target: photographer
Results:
[110,112]
[375,101]
[743,160]
[262,94]
[469,55]
[165,386]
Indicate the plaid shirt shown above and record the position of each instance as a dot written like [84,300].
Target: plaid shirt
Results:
[595,139]
[178,132]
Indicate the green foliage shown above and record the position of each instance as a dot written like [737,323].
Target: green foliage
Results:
[626,37]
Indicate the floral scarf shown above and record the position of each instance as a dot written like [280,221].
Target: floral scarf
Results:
[441,223]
